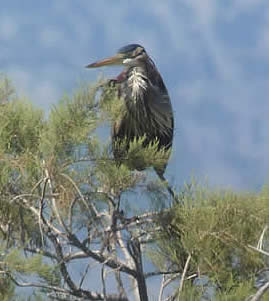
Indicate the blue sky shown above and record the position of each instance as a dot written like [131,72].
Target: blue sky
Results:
[213,56]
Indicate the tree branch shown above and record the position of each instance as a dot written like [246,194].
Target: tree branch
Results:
[112,263]
[134,249]
[183,275]
[82,294]
[259,293]
[41,252]
[63,269]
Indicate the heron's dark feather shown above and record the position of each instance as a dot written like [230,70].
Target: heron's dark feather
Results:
[148,110]
[129,48]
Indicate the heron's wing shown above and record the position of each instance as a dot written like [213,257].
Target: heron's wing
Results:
[160,106]
[161,110]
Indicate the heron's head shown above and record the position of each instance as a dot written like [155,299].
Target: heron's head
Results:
[130,55]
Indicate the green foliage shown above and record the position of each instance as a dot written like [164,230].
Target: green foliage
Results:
[140,157]
[70,123]
[238,293]
[20,127]
[6,89]
[7,288]
[31,266]
[191,293]
[215,228]
[107,168]
[242,291]
[111,107]
[34,297]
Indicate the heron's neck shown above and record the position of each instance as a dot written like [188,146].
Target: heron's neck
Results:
[137,82]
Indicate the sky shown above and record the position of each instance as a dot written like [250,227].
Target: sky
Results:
[213,56]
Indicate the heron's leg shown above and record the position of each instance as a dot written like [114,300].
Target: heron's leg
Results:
[168,187]
[119,79]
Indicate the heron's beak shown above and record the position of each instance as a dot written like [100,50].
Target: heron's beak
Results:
[113,60]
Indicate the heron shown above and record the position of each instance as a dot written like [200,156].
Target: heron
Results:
[149,111]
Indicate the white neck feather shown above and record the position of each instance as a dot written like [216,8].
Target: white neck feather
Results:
[138,83]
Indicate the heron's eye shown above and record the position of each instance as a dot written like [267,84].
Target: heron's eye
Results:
[137,52]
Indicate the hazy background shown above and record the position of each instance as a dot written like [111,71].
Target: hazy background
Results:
[213,56]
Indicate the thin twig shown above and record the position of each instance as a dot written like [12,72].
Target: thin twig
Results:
[112,263]
[259,250]
[37,184]
[119,283]
[60,259]
[158,273]
[130,260]
[85,295]
[83,276]
[70,213]
[53,201]
[23,196]
[103,277]
[80,194]
[165,283]
[40,217]
[260,242]
[25,202]
[261,291]
[161,288]
[183,275]
[171,279]
[41,252]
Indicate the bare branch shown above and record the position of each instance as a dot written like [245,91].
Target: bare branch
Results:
[161,288]
[84,275]
[70,222]
[82,294]
[183,275]
[124,249]
[166,282]
[260,242]
[112,263]
[158,273]
[129,259]
[259,250]
[93,209]
[134,249]
[120,284]
[37,184]
[25,202]
[103,277]
[41,252]
[53,201]
[40,217]
[63,269]
[76,255]
[261,291]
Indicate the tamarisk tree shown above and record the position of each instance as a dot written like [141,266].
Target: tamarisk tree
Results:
[70,228]
[75,225]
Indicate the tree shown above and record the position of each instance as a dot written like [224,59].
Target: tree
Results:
[74,225]
[211,237]
[62,197]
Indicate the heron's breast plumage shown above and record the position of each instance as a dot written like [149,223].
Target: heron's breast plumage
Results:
[148,109]
[137,83]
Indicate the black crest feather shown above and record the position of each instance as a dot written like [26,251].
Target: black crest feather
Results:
[128,48]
